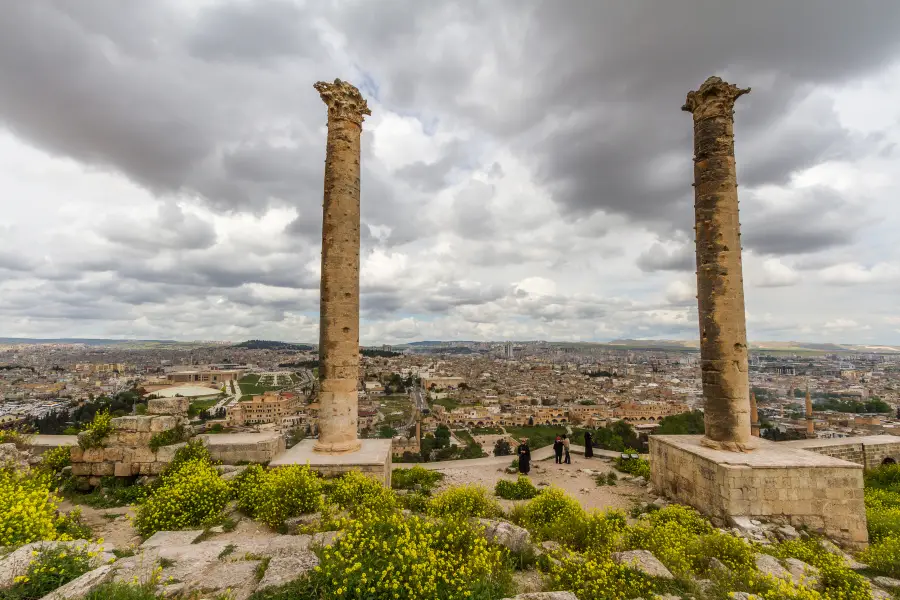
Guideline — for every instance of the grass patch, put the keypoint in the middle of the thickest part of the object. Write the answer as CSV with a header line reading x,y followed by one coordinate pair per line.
x,y
485,431
538,435
448,403
262,567
226,551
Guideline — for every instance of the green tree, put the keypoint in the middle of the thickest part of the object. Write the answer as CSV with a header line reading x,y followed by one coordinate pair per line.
x,y
689,423
502,447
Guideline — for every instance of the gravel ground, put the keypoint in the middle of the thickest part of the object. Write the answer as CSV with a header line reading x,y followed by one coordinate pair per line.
x,y
578,484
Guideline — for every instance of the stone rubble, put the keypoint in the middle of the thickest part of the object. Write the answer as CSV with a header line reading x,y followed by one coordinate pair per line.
x,y
643,561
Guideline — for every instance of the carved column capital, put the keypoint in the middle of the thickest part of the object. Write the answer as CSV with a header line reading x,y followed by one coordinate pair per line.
x,y
714,98
344,101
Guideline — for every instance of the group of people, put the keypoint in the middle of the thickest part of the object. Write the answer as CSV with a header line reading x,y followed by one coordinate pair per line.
x,y
560,449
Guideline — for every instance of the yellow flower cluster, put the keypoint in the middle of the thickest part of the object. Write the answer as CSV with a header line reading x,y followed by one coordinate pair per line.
x,y
49,570
97,430
27,507
551,507
55,459
464,501
599,578
397,558
279,494
192,496
355,491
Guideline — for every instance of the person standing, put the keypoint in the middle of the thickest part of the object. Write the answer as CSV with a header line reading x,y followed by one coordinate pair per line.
x,y
524,453
588,445
565,443
558,450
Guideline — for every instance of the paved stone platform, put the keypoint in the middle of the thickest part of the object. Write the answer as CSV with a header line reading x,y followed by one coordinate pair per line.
x,y
775,482
373,458
870,451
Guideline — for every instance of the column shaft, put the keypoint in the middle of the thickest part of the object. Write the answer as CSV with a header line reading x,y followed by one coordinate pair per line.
x,y
339,308
720,290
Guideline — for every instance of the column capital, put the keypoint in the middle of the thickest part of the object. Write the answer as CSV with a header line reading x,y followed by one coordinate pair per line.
x,y
714,98
344,101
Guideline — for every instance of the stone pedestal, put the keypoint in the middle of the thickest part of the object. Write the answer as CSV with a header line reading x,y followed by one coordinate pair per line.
x,y
373,458
775,483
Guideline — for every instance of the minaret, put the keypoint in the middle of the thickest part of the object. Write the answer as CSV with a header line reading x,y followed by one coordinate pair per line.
x,y
720,281
754,416
339,308
810,426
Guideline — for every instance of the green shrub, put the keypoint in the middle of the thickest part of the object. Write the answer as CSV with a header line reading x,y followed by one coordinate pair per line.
x,y
416,501
279,494
96,431
415,478
357,492
835,579
599,578
608,478
634,466
884,477
11,436
176,435
394,557
549,508
192,451
49,570
464,501
247,489
27,507
114,492
884,555
71,526
521,489
123,591
56,459
192,496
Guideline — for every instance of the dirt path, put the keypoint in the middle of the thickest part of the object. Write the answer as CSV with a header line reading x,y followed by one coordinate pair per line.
x,y
578,484
111,524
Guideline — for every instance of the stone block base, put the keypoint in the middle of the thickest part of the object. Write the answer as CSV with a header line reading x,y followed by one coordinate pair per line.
x,y
373,458
774,483
232,448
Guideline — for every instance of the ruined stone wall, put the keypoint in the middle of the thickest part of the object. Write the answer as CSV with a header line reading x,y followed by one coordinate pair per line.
x,y
876,453
851,451
125,452
822,497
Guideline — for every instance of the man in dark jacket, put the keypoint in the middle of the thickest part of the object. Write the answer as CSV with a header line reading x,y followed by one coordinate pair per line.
x,y
558,449
524,453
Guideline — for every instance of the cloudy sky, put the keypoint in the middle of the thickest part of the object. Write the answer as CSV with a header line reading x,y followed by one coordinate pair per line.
x,y
526,168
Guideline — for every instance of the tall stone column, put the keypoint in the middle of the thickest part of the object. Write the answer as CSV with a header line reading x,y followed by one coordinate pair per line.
x,y
720,285
339,309
754,416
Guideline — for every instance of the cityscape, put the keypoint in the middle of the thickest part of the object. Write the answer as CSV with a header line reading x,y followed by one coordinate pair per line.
x,y
449,300
481,391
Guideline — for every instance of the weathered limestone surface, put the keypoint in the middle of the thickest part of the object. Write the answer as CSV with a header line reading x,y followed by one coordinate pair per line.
x,y
720,287
754,416
339,308
643,561
776,483
869,451
373,459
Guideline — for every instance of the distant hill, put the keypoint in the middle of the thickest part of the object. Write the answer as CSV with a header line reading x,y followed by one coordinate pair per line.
x,y
799,347
86,341
272,345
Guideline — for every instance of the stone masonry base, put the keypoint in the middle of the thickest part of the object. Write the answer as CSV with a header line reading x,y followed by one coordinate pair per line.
x,y
776,483
373,458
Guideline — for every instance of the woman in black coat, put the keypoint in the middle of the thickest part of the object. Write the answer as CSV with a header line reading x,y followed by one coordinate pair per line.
x,y
524,453
588,445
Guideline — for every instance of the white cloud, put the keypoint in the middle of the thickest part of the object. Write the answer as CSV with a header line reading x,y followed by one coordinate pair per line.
x,y
777,274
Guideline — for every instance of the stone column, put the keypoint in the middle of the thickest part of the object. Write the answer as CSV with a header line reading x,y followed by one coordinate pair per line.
x,y
754,416
720,286
339,309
